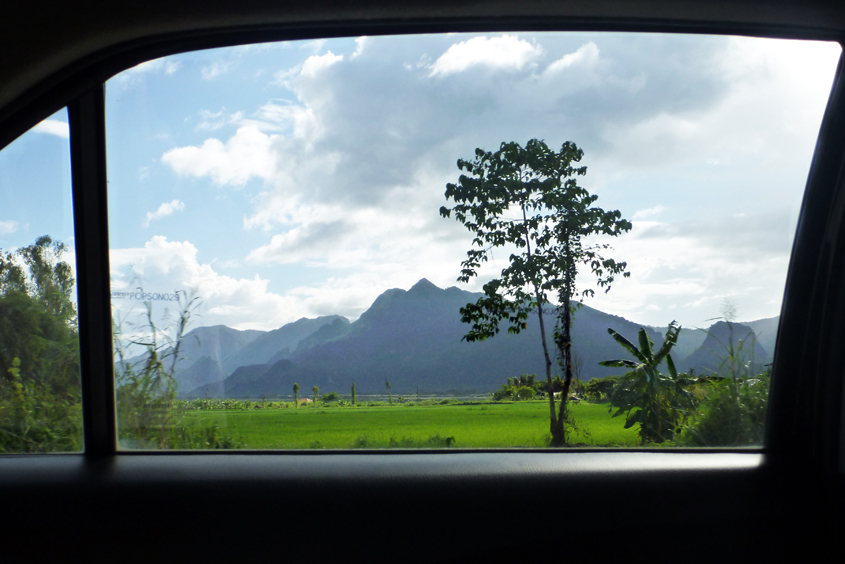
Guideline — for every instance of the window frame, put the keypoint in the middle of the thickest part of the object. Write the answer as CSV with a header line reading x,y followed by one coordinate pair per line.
x,y
87,122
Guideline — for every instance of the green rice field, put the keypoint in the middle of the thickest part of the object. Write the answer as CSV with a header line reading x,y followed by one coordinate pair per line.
x,y
475,425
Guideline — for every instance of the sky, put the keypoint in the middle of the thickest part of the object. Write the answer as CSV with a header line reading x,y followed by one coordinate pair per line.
x,y
298,179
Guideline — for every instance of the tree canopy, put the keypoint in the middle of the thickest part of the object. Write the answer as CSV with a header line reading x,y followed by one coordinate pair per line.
x,y
40,399
528,200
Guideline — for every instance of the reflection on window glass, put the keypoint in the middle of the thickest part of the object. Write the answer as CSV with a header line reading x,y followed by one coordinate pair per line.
x,y
297,261
40,399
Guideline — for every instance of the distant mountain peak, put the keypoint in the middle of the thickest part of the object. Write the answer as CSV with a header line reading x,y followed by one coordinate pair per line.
x,y
424,286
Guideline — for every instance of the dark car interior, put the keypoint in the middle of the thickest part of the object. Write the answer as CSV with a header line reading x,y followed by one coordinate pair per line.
x,y
655,505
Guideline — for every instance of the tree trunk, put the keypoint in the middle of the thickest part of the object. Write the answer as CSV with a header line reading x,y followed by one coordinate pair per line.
x,y
553,424
565,346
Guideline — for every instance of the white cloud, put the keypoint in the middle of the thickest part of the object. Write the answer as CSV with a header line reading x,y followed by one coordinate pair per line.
x,y
648,212
53,127
316,64
360,45
698,265
164,210
587,55
248,153
163,267
8,226
354,170
314,45
212,121
285,77
503,52
215,69
270,117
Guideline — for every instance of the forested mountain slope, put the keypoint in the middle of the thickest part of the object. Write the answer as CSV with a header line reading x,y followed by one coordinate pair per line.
x,y
413,339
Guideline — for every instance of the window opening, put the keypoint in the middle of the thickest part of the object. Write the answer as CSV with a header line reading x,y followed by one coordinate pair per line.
x,y
283,275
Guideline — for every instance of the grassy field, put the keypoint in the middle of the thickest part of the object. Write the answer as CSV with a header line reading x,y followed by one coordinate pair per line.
x,y
480,425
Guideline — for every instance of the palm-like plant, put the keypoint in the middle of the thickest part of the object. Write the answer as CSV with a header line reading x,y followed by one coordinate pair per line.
x,y
316,390
296,395
661,401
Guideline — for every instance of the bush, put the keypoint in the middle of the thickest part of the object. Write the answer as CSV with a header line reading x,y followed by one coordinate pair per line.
x,y
733,414
522,387
600,389
34,419
330,397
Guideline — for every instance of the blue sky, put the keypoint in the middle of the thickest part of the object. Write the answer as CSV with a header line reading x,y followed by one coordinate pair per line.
x,y
296,179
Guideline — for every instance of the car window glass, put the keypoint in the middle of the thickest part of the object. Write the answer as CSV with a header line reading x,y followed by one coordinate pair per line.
x,y
366,242
40,399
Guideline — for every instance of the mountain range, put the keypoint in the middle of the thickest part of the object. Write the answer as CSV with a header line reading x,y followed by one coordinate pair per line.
x,y
413,338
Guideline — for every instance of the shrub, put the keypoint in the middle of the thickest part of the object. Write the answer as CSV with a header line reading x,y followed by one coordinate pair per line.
x,y
330,397
600,389
733,414
523,387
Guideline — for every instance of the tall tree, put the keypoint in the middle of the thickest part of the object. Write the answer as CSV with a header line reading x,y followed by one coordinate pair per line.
x,y
296,395
40,403
389,393
528,199
37,314
354,395
316,390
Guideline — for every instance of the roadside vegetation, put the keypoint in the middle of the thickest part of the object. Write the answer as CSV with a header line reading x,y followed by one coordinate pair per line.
x,y
40,397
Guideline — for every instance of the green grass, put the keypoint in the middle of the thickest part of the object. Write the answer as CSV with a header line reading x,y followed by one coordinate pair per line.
x,y
482,425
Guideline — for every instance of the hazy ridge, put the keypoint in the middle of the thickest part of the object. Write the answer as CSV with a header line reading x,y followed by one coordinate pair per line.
x,y
413,339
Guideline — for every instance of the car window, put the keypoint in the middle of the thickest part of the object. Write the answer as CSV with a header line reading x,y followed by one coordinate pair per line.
x,y
371,242
40,395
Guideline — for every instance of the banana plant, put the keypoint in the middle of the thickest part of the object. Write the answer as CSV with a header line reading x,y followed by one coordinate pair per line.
x,y
656,401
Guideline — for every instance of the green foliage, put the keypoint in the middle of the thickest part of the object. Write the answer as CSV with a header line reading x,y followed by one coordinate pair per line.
x,y
659,403
735,400
45,278
389,394
601,389
40,398
523,387
33,418
296,395
554,215
354,395
733,414
316,390
330,397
